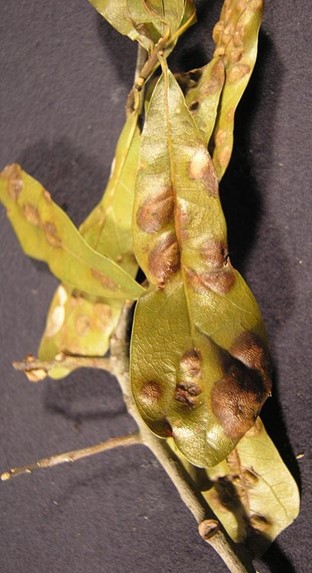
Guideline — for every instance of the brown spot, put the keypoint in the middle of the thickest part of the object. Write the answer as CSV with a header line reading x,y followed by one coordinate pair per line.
x,y
47,196
190,364
235,55
105,281
237,399
31,214
51,234
227,494
150,393
201,167
187,392
82,325
219,281
251,351
103,312
220,137
194,106
259,522
237,72
164,259
156,212
182,222
224,155
215,253
230,114
15,182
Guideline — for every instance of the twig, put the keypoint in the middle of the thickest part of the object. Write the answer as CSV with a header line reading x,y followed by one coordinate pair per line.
x,y
73,456
37,370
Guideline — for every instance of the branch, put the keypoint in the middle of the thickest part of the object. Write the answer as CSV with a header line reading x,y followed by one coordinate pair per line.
x,y
209,527
36,370
73,455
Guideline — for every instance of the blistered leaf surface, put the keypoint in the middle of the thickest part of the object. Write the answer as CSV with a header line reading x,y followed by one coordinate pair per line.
x,y
253,493
199,320
82,325
46,233
236,40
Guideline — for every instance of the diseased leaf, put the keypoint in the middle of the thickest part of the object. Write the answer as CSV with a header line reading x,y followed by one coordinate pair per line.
x,y
204,381
202,88
149,20
46,233
252,492
79,324
236,39
156,18
116,13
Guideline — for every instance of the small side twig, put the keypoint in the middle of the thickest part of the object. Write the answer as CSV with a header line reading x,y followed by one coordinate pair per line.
x,y
74,455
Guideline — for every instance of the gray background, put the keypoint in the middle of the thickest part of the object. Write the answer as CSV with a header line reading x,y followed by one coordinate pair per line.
x,y
65,75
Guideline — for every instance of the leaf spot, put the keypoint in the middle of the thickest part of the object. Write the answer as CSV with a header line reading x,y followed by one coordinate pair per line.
x,y
32,214
156,212
164,259
51,234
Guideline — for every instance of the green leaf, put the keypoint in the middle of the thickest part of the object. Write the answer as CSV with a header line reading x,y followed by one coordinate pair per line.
x,y
116,13
156,18
236,40
252,492
202,88
78,324
46,233
214,328
146,21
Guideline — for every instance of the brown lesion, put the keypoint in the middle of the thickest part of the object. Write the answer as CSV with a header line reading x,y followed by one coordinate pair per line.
x,y
191,364
201,168
187,392
32,214
150,393
13,174
215,253
51,234
188,387
156,211
105,281
164,259
250,349
219,281
237,399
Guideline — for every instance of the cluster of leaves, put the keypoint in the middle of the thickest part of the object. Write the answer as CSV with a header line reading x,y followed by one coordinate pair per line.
x,y
199,364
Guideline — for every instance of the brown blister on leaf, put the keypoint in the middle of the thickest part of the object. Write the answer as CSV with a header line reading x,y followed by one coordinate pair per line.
x,y
31,214
219,281
51,233
15,183
190,364
200,168
150,393
251,351
156,212
187,392
164,259
105,281
189,376
237,399
214,253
